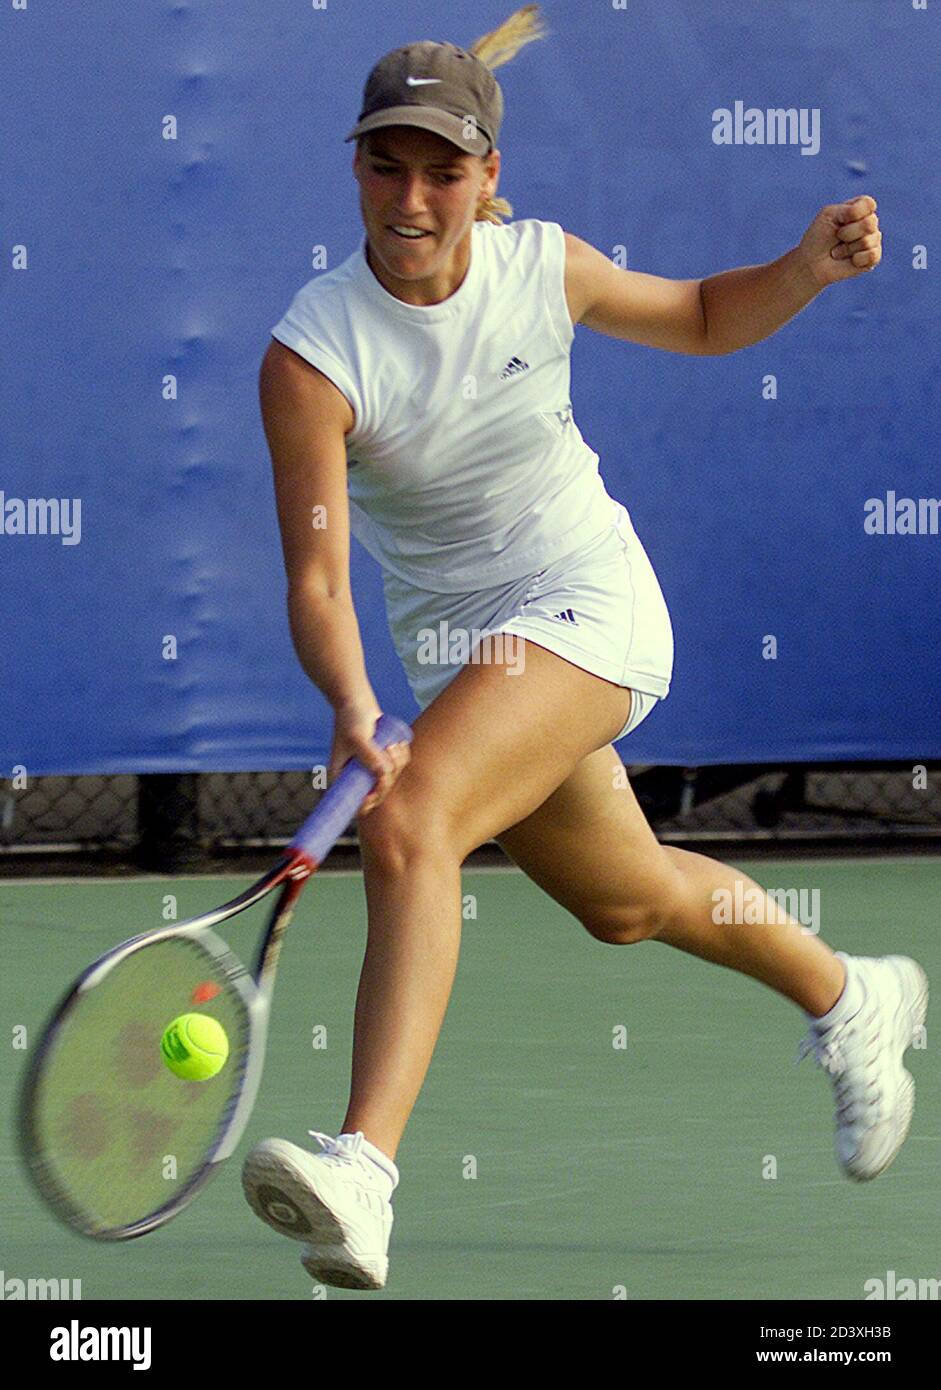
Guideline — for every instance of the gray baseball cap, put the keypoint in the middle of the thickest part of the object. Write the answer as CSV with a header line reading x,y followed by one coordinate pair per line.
x,y
437,87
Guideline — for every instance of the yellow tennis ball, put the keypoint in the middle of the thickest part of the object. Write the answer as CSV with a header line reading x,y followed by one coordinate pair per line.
x,y
195,1047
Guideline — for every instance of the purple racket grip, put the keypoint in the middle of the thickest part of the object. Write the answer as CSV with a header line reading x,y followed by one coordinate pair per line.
x,y
339,803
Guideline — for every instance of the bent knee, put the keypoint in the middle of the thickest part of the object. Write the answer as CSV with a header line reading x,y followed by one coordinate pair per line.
x,y
397,833
624,924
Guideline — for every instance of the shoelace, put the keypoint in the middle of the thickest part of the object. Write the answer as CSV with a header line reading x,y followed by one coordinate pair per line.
x,y
333,1150
366,1182
830,1050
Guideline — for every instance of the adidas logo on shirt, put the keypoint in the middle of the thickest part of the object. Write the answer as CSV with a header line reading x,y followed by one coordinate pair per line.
x,y
566,616
513,368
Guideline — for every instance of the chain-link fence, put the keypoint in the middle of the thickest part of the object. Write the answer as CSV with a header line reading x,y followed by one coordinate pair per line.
x,y
171,821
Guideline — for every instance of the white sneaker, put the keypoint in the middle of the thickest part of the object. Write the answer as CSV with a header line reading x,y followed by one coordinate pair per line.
x,y
337,1201
861,1047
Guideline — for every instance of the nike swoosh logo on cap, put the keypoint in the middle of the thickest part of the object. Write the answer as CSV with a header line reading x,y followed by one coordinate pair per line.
x,y
421,81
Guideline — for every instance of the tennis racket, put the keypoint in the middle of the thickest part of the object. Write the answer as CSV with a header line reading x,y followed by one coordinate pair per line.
x,y
117,1144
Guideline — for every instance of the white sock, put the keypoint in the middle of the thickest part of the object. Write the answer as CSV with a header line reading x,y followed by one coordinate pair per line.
x,y
849,1001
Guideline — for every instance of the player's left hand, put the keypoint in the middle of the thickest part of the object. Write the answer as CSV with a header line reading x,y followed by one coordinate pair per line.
x,y
843,240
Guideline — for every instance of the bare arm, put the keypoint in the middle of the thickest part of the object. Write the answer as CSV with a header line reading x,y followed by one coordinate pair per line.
x,y
306,418
746,305
627,304
710,317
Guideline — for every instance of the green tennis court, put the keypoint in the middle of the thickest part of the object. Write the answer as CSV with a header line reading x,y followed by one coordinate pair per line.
x,y
598,1122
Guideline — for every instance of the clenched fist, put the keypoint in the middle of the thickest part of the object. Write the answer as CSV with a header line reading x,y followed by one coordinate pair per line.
x,y
843,240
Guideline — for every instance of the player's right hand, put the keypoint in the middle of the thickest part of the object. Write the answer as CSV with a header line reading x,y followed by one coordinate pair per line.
x,y
353,731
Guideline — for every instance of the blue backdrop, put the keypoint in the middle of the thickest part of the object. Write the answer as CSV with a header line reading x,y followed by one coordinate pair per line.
x,y
141,273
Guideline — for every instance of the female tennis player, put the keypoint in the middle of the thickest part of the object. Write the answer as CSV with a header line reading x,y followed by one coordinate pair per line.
x,y
418,395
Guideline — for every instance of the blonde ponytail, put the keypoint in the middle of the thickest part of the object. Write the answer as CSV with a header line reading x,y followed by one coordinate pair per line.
x,y
493,210
500,45
493,50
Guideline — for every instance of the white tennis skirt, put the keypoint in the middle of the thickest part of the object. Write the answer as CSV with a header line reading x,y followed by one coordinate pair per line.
x,y
601,608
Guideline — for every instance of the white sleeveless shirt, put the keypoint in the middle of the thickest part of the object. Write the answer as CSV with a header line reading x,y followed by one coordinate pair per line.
x,y
465,466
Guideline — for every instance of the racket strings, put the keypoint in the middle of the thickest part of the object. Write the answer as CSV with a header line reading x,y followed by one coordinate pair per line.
x,y
115,1135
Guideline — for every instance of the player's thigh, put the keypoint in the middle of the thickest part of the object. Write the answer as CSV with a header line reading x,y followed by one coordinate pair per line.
x,y
589,846
491,748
